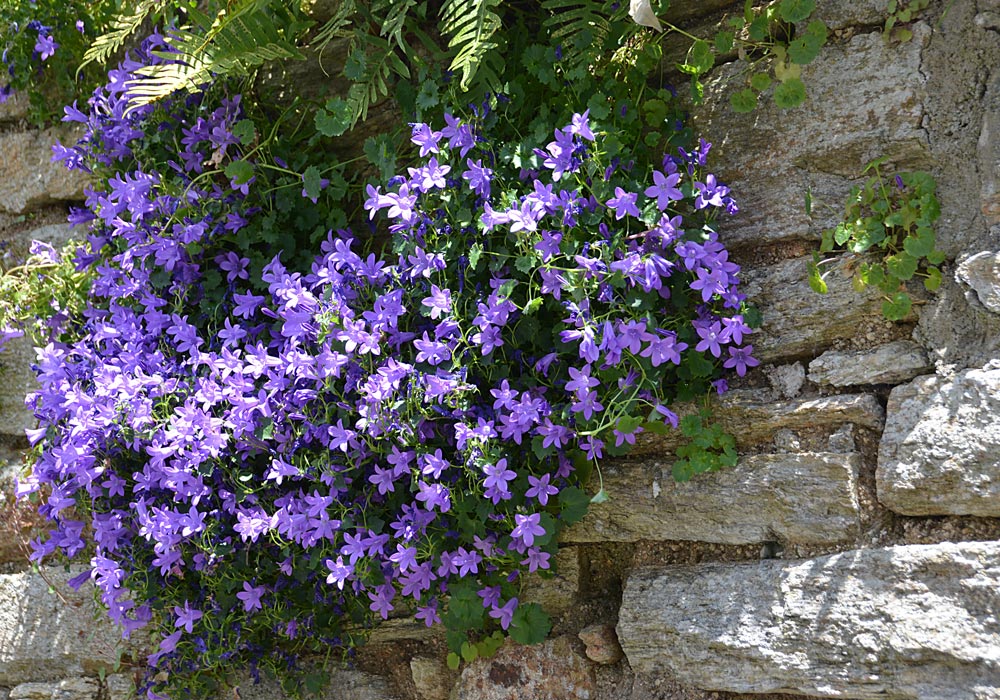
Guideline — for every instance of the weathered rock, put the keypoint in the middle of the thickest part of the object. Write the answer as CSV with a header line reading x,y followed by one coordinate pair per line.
x,y
786,380
602,644
30,178
981,272
55,234
431,678
46,636
68,689
801,498
16,380
552,670
772,157
557,593
891,363
753,420
906,622
940,451
342,683
14,109
798,321
120,687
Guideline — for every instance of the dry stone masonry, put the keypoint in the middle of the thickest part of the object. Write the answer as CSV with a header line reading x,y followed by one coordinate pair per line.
x,y
853,552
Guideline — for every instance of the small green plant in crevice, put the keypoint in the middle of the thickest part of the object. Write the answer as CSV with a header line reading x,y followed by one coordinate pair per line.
x,y
893,216
901,12
710,448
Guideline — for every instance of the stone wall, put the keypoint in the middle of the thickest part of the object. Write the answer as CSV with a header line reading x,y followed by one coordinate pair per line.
x,y
854,551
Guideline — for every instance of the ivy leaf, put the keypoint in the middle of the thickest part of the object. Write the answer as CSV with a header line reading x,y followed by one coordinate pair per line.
x,y
239,171
760,81
933,281
530,624
743,101
793,11
790,93
335,118
897,308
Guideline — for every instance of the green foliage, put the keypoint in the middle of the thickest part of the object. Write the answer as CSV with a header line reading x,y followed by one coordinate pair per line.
x,y
895,218
471,26
710,448
899,12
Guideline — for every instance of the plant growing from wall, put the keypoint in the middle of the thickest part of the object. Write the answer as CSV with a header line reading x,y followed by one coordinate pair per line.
x,y
889,221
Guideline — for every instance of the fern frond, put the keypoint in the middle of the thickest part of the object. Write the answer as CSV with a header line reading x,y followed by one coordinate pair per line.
x,y
581,26
395,13
235,42
123,27
338,25
471,25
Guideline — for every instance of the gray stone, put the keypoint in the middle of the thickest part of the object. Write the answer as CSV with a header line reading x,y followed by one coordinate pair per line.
x,y
48,636
891,363
552,670
771,157
798,322
981,272
431,678
910,622
343,683
120,687
940,451
800,498
16,381
30,178
33,691
55,234
15,108
753,419
556,593
77,689
842,439
958,332
787,380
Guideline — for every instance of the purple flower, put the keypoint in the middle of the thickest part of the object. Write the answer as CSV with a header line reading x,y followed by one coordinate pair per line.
x,y
740,359
45,46
251,596
527,528
381,600
623,204
541,488
186,617
711,337
423,136
505,613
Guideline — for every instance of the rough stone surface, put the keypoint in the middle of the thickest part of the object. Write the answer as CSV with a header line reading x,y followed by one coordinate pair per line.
x,y
343,684
119,687
46,637
981,272
892,363
67,689
431,678
747,415
552,670
909,622
787,380
14,109
958,332
772,157
801,498
798,322
30,178
16,380
602,643
558,593
940,451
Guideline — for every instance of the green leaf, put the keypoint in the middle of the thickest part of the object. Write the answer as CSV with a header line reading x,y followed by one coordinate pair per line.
x,y
600,497
469,652
898,307
793,11
936,257
804,49
525,263
312,182
816,281
933,281
655,112
758,30
573,503
335,118
920,245
724,41
743,101
682,470
454,661
842,234
530,624
760,81
790,93
901,265
428,95
354,66
700,58
239,171
475,253
244,130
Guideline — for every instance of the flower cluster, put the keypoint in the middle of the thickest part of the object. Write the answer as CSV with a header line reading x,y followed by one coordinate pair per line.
x,y
264,461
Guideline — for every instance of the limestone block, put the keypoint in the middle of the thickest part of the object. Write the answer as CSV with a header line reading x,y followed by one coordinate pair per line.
x,y
940,451
771,157
120,687
891,363
797,320
910,622
556,594
552,670
753,418
343,683
16,380
30,178
981,273
46,637
800,498
67,689
431,678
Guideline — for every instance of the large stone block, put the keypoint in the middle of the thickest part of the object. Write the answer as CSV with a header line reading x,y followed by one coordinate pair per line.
x,y
30,179
801,498
940,451
798,322
771,157
16,380
891,363
552,670
911,622
48,636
